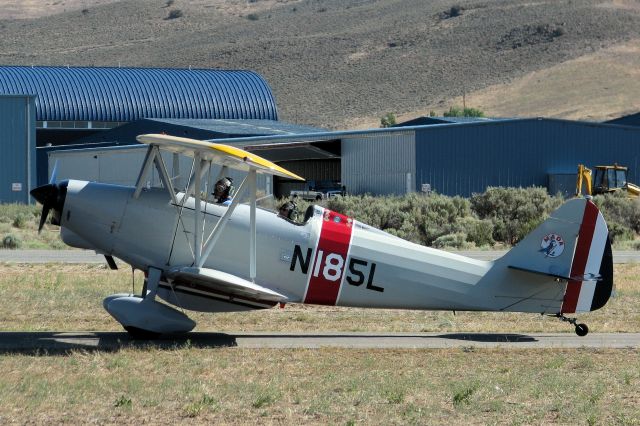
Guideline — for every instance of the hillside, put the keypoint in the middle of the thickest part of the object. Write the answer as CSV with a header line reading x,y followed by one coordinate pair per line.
x,y
344,63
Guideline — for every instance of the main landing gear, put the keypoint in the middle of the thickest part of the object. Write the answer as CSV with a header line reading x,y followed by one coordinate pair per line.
x,y
581,329
145,318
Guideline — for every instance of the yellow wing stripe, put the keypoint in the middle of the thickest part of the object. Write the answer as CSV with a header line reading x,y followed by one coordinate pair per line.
x,y
245,155
243,158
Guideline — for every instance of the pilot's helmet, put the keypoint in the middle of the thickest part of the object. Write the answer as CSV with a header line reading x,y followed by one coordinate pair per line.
x,y
222,188
288,210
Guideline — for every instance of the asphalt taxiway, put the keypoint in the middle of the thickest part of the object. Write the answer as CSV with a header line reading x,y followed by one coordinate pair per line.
x,y
60,342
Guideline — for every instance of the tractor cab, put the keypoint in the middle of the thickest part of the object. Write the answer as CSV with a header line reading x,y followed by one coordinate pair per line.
x,y
609,179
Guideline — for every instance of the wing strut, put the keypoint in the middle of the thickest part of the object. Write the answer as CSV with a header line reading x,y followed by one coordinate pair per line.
x,y
197,232
153,157
206,152
217,230
249,181
252,218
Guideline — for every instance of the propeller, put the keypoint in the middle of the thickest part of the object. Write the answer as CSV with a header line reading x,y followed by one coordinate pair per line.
x,y
51,196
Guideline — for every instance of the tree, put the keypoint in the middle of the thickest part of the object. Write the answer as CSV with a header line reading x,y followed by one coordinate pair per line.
x,y
455,111
388,120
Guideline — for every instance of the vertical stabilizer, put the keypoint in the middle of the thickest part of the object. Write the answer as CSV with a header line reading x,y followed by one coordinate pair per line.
x,y
572,246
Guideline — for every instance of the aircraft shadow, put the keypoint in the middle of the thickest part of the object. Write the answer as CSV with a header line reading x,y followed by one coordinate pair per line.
x,y
489,337
63,343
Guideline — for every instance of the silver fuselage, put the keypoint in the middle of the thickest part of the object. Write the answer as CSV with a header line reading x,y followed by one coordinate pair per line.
x,y
375,269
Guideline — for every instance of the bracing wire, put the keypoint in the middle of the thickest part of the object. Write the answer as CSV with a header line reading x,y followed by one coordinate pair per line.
x,y
181,208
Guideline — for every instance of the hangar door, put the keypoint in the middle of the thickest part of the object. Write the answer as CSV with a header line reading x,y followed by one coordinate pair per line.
x,y
311,170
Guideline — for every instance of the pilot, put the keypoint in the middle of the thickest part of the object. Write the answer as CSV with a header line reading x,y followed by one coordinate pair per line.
x,y
288,210
222,191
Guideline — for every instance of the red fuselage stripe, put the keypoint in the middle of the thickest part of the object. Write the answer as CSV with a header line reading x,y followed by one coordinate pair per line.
x,y
330,259
580,258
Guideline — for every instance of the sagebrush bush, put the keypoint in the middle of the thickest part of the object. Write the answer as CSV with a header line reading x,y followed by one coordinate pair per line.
x,y
174,14
618,232
457,241
514,212
619,208
20,221
11,241
499,215
479,231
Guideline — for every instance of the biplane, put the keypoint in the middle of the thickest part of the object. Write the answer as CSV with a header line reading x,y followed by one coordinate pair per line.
x,y
203,256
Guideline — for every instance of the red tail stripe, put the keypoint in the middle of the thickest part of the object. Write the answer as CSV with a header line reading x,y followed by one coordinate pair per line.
x,y
580,258
335,237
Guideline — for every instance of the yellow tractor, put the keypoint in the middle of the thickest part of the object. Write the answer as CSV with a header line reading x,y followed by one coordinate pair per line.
x,y
607,179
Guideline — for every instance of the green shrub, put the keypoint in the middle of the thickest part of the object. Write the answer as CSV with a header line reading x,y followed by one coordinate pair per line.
x,y
11,241
455,111
472,112
514,212
619,232
388,120
479,231
618,207
457,241
499,215
174,14
455,11
20,221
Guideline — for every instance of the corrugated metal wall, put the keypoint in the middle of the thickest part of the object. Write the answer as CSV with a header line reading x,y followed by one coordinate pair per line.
x,y
17,148
382,163
463,159
121,166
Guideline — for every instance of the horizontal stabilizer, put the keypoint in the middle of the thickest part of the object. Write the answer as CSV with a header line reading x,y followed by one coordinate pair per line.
x,y
224,283
585,277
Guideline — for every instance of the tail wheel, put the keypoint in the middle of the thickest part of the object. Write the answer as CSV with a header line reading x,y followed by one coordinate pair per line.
x,y
582,330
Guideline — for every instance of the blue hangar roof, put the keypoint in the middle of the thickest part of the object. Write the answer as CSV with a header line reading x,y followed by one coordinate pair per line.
x,y
127,94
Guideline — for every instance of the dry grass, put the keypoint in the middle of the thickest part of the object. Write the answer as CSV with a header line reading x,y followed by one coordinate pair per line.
x,y
597,86
340,64
69,298
324,386
185,383
21,221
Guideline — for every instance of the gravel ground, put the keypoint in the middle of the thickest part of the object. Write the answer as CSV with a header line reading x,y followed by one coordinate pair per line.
x,y
332,62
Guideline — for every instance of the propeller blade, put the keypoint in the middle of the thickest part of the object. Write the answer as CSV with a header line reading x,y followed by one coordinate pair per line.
x,y
54,173
51,196
43,217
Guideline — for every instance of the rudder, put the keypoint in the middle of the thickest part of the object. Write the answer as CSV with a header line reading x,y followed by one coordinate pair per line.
x,y
572,245
592,267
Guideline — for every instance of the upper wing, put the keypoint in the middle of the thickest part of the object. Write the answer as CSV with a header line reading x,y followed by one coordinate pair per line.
x,y
226,155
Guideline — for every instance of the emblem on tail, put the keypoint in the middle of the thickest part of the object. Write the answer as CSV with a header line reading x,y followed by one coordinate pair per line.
x,y
552,245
